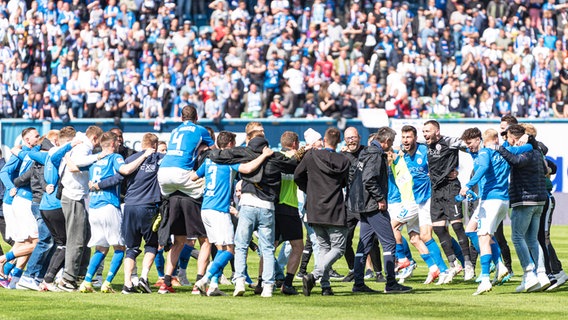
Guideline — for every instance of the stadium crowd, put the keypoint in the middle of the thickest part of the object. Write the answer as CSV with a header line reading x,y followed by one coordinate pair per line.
x,y
299,58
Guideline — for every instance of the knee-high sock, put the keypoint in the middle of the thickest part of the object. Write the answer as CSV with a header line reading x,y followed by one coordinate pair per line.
x,y
485,264
458,251
436,255
428,259
159,261
445,242
221,259
495,252
184,256
463,241
115,264
8,267
407,252
400,252
97,258
474,239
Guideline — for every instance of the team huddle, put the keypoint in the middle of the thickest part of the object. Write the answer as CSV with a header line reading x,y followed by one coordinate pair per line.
x,y
70,196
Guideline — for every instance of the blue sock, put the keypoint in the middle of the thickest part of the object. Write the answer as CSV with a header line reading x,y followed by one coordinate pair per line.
x,y
485,264
10,256
407,252
115,264
495,252
215,278
458,251
428,259
400,252
221,259
184,256
17,273
247,277
8,267
159,262
436,255
97,258
474,239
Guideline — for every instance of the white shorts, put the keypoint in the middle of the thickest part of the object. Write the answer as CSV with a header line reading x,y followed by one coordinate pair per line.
x,y
219,227
25,226
424,214
173,179
407,213
489,214
9,219
105,224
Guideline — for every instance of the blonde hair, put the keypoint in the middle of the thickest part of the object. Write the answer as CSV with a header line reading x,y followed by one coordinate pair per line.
x,y
529,129
490,135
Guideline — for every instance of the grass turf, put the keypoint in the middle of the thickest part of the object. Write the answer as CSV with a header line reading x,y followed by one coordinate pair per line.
x,y
426,302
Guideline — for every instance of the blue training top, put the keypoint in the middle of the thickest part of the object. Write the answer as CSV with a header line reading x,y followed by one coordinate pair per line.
x,y
101,169
182,148
51,176
218,185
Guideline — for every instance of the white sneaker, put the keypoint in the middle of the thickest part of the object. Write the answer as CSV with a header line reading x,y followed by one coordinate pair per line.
x,y
97,281
529,281
432,275
267,290
445,277
215,292
239,287
484,286
500,273
201,286
27,283
224,281
469,273
561,279
543,283
135,280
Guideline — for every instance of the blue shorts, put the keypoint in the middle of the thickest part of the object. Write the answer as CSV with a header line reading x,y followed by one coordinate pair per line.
x,y
137,225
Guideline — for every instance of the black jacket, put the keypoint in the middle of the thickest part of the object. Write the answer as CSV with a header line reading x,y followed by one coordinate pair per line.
x,y
528,182
264,182
322,174
370,183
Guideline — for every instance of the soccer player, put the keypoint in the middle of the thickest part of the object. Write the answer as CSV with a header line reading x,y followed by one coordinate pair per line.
x,y
443,160
174,176
416,159
527,194
105,217
24,228
216,206
492,175
322,174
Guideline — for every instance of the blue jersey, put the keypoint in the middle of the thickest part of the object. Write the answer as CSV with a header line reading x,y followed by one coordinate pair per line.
x,y
218,185
418,166
26,190
8,173
51,176
394,193
105,168
182,148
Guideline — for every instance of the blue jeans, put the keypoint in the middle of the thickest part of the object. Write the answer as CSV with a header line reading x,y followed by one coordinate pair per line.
x,y
250,219
525,221
40,257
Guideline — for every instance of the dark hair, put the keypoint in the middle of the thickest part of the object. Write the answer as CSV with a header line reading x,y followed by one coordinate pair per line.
x,y
27,130
409,128
516,130
434,123
332,136
189,113
384,134
224,138
471,133
509,119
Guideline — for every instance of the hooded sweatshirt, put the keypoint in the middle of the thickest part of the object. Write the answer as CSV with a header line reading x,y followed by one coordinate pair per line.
x,y
322,174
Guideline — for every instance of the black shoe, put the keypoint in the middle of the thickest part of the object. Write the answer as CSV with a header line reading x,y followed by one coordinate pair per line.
x,y
333,274
397,288
327,291
129,290
68,286
308,283
258,288
278,283
363,289
349,277
143,286
288,290
380,277
300,275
